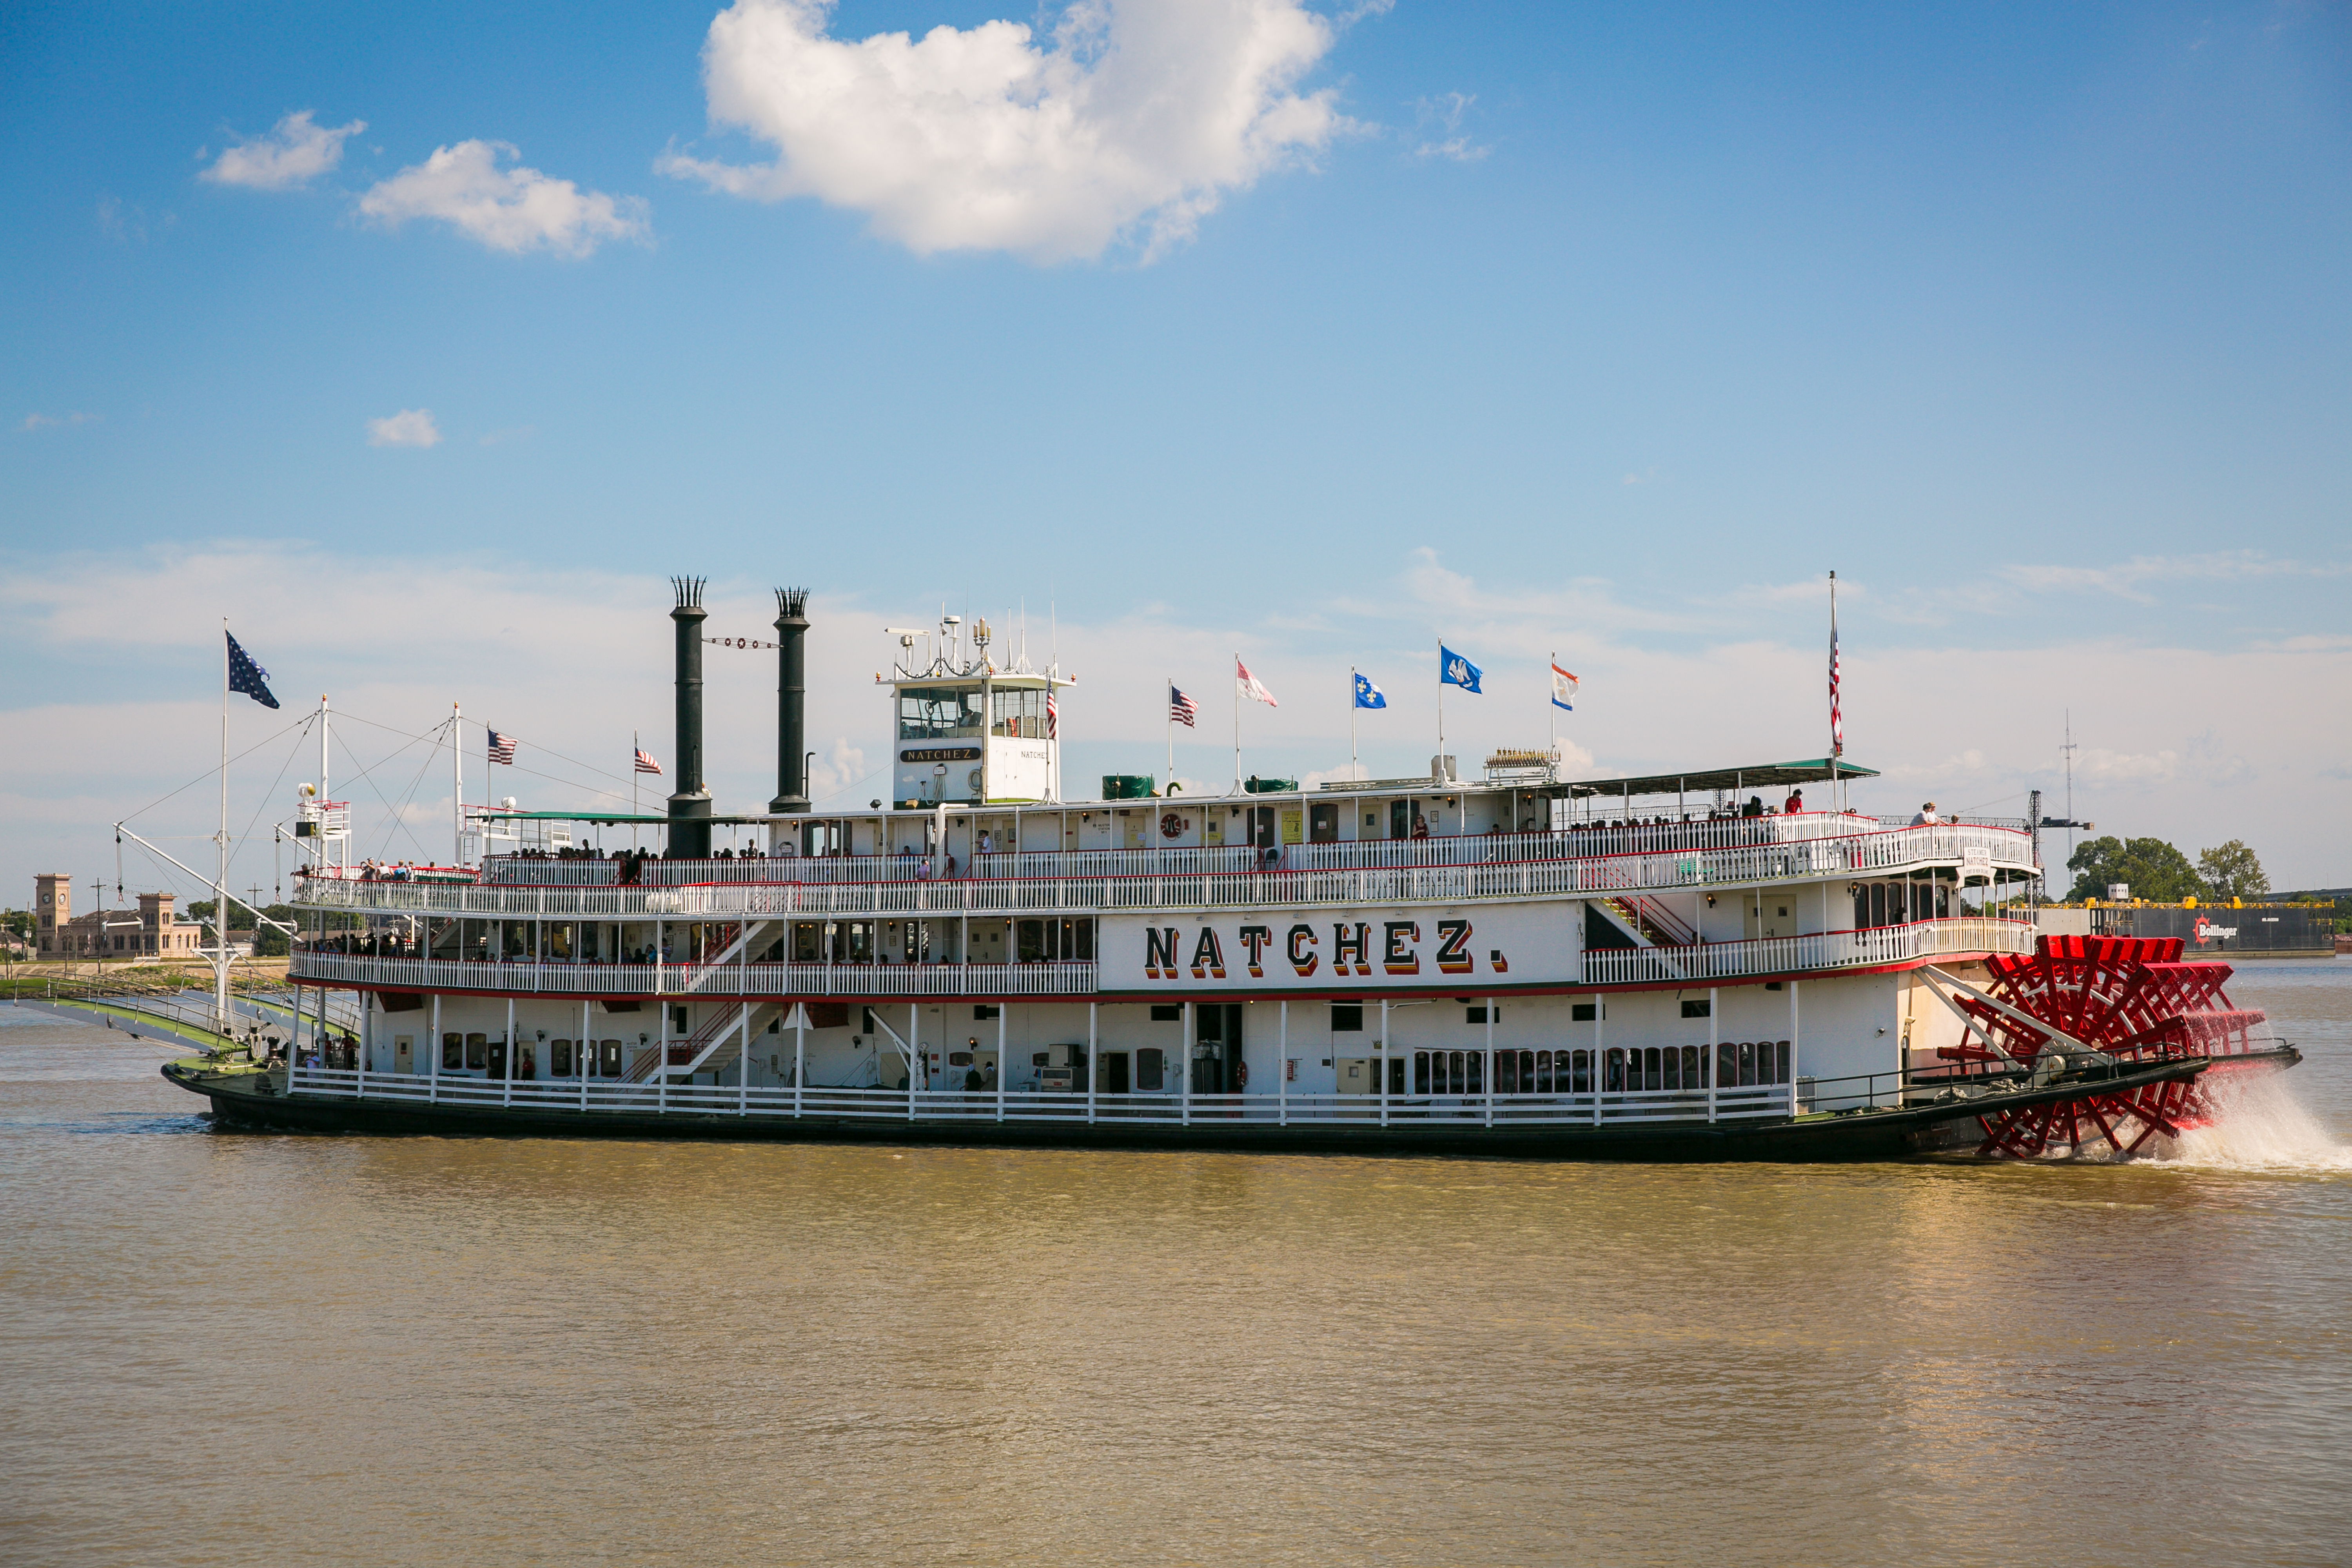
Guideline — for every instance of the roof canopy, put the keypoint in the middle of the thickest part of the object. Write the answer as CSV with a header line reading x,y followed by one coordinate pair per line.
x,y
1757,776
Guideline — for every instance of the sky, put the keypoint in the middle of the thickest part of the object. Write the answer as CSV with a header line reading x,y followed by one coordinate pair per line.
x,y
423,344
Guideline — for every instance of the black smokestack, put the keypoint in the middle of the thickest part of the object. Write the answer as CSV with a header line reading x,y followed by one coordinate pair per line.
x,y
689,808
791,700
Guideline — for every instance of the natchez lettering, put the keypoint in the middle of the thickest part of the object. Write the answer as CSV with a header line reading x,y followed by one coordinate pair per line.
x,y
1351,948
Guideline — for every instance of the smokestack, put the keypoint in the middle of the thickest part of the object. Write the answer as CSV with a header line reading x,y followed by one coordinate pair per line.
x,y
690,808
791,700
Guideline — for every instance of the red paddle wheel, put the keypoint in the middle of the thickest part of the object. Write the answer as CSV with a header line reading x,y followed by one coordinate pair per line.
x,y
2131,999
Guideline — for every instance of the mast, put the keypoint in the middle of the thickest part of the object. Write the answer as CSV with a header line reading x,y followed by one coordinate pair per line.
x,y
1837,738
220,875
456,786
319,855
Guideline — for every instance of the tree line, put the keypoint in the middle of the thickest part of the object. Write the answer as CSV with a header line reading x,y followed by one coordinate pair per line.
x,y
2160,873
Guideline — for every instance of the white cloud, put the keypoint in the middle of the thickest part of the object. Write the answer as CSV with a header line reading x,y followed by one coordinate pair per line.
x,y
2124,579
409,427
1134,117
1445,113
293,154
512,209
51,421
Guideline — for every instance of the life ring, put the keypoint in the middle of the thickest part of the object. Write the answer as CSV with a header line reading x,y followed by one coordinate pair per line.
x,y
1172,826
1241,1075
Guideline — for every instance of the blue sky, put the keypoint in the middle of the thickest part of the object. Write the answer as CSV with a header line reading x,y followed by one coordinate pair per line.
x,y
1600,331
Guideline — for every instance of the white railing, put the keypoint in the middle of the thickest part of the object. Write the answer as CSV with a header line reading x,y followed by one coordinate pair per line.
x,y
1864,948
1423,1111
863,981
1204,884
1696,964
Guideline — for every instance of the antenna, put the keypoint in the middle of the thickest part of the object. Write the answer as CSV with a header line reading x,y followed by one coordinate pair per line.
x,y
2068,752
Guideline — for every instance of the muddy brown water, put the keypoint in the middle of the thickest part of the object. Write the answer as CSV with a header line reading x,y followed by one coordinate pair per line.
x,y
235,1348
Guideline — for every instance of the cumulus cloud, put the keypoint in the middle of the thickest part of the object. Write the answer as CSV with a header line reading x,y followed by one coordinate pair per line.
x,y
293,154
409,427
1134,117
512,209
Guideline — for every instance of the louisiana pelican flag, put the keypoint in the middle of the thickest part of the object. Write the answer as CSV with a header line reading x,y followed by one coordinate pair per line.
x,y
1368,695
1563,688
1453,669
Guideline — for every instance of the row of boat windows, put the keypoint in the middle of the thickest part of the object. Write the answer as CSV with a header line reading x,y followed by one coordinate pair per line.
x,y
1896,903
487,1053
940,713
1066,939
1738,1064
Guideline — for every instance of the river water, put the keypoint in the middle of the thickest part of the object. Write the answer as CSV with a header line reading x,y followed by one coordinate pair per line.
x,y
221,1348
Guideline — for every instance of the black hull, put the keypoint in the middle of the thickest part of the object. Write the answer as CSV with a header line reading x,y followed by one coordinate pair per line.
x,y
1880,1135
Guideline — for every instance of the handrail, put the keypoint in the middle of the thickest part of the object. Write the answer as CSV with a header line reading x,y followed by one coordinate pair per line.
x,y
1697,964
1191,879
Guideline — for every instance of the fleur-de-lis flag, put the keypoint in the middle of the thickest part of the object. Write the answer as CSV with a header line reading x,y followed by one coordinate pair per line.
x,y
245,675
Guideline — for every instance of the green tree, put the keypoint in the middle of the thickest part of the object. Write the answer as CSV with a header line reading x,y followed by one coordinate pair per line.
x,y
2153,869
2233,870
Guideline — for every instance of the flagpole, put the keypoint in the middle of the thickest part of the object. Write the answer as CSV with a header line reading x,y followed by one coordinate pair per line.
x,y
220,878
1238,723
456,786
633,790
1167,723
1351,721
1438,770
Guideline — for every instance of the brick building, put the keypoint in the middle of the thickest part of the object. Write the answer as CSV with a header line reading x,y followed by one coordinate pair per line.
x,y
153,930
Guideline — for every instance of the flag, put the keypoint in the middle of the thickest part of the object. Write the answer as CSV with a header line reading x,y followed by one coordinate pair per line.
x,y
1368,695
1563,688
1453,669
1182,709
502,747
646,763
1053,716
245,675
1251,686
1837,720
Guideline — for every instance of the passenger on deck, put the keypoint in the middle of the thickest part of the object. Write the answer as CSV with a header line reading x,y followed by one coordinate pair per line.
x,y
1927,817
1795,803
1755,806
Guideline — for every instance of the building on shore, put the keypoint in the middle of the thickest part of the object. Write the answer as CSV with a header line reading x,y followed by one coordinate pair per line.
x,y
153,930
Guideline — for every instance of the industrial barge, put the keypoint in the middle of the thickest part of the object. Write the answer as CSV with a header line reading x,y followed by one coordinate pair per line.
x,y
1512,964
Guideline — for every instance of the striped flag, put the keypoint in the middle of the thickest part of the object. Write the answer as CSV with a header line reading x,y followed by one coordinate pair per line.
x,y
1182,709
1053,716
502,747
1251,686
1837,718
646,763
1563,688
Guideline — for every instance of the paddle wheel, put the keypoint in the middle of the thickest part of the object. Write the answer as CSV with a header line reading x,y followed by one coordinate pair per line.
x,y
2106,1004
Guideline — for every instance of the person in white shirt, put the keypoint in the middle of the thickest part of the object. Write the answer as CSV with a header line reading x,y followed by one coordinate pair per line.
x,y
1927,817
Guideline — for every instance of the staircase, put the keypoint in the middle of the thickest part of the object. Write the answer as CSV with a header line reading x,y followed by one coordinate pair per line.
x,y
714,1048
1657,925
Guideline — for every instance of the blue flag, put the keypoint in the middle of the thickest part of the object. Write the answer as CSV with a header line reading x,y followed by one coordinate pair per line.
x,y
245,675
1368,695
1453,669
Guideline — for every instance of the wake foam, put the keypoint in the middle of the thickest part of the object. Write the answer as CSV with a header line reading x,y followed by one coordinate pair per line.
x,y
2258,1124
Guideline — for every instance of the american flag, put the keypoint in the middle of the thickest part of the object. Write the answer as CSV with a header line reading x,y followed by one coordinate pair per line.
x,y
502,747
1182,709
1837,720
646,763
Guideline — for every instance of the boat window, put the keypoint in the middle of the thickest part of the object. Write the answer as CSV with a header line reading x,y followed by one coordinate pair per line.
x,y
1167,1012
983,1012
1018,711
1347,1017
939,712
1613,1071
1581,1081
1584,1012
1323,822
559,1058
1147,1068
959,1059
453,1052
611,1051
477,1051
1029,945
1478,1015
1696,1009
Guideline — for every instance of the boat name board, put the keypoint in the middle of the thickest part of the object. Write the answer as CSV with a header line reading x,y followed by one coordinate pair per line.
x,y
1392,946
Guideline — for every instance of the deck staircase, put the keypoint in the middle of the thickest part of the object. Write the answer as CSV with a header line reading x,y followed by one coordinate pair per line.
x,y
1655,924
714,1048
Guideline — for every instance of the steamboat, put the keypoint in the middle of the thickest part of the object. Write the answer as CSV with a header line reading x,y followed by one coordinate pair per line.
x,y
1515,962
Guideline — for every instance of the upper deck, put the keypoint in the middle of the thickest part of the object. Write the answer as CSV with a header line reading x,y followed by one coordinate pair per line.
x,y
1573,862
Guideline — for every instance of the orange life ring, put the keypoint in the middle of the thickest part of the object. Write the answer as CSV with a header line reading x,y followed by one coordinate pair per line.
x,y
1172,826
1241,1075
